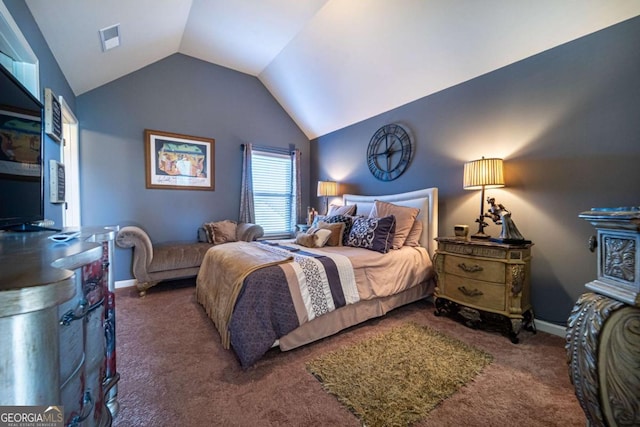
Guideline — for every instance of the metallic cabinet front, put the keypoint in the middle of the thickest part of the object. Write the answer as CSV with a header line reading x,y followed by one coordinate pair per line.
x,y
54,331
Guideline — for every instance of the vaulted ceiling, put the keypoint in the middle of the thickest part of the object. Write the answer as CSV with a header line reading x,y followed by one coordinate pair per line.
x,y
329,63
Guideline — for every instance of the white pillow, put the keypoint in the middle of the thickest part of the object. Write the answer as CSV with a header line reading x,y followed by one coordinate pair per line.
x,y
323,237
314,237
341,210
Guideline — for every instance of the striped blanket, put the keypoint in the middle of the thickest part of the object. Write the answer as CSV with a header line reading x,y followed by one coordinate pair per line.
x,y
274,299
326,281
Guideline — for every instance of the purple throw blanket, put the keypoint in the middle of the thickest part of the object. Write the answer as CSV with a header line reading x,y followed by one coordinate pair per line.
x,y
265,310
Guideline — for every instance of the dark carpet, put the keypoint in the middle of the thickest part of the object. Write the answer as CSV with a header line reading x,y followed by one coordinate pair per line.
x,y
174,372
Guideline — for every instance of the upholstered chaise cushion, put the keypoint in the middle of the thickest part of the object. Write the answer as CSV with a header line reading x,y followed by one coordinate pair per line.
x,y
171,256
155,262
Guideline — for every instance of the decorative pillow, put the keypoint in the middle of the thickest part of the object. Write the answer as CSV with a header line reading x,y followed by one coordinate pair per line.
x,y
348,222
336,232
413,239
313,238
323,237
308,240
224,231
405,218
341,210
208,229
375,234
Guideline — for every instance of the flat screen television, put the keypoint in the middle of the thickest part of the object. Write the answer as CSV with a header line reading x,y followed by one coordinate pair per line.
x,y
21,155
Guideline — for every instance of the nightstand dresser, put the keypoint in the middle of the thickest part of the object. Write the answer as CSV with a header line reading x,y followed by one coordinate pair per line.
x,y
485,283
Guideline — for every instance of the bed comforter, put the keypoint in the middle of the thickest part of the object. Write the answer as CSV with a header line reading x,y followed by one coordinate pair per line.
x,y
290,285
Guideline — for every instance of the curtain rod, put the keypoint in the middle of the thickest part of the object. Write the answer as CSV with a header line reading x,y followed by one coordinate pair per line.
x,y
276,150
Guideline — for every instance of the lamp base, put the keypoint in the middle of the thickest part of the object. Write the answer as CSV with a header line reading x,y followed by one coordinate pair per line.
x,y
480,235
511,241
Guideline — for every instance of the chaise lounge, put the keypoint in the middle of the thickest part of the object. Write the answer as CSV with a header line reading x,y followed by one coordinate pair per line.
x,y
157,262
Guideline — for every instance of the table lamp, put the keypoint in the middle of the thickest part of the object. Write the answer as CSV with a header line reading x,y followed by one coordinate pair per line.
x,y
478,175
327,189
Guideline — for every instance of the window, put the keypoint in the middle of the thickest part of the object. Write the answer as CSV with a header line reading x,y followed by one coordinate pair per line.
x,y
16,54
274,194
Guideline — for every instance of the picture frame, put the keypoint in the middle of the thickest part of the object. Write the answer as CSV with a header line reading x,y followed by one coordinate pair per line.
x,y
178,162
52,115
20,144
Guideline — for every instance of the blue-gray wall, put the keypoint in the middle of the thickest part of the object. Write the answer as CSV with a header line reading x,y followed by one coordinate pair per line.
x,y
567,124
50,77
182,95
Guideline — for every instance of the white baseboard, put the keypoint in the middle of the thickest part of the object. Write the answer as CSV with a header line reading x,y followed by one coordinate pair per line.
x,y
125,283
551,328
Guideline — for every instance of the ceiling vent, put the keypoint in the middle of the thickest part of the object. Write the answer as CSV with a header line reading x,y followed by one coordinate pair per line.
x,y
110,37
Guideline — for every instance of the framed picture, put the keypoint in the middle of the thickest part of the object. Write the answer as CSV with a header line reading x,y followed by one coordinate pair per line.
x,y
20,145
52,115
178,162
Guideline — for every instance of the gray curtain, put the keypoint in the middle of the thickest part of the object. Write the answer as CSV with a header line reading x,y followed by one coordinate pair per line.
x,y
247,212
297,214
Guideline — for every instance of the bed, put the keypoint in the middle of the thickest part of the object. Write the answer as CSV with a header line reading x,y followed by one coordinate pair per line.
x,y
262,294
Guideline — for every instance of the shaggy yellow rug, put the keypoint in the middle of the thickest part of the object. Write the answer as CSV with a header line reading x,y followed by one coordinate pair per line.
x,y
396,378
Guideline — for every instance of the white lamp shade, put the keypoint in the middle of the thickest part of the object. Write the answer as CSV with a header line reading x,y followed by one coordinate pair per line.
x,y
483,172
327,188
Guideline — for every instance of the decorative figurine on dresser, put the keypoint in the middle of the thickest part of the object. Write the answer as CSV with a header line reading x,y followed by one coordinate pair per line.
x,y
603,330
483,280
57,324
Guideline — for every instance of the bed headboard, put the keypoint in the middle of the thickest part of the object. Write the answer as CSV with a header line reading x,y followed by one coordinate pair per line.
x,y
426,200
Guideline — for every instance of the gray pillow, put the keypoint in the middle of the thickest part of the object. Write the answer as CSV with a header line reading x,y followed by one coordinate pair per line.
x,y
341,210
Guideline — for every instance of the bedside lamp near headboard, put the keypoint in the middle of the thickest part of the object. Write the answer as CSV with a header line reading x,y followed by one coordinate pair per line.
x,y
327,189
478,175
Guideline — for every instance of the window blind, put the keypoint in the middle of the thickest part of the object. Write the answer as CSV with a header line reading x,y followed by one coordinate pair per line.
x,y
274,202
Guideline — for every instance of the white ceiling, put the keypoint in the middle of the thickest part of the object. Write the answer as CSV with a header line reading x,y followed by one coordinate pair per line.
x,y
330,63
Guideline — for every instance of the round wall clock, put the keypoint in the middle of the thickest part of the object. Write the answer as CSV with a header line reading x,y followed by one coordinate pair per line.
x,y
389,152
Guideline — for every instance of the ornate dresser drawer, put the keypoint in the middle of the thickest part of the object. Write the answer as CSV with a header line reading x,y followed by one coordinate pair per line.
x,y
483,295
477,269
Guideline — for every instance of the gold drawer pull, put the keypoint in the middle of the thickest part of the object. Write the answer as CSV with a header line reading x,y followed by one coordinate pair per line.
x,y
469,293
470,268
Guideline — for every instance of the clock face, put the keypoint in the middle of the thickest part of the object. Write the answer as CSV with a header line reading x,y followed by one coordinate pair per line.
x,y
389,152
